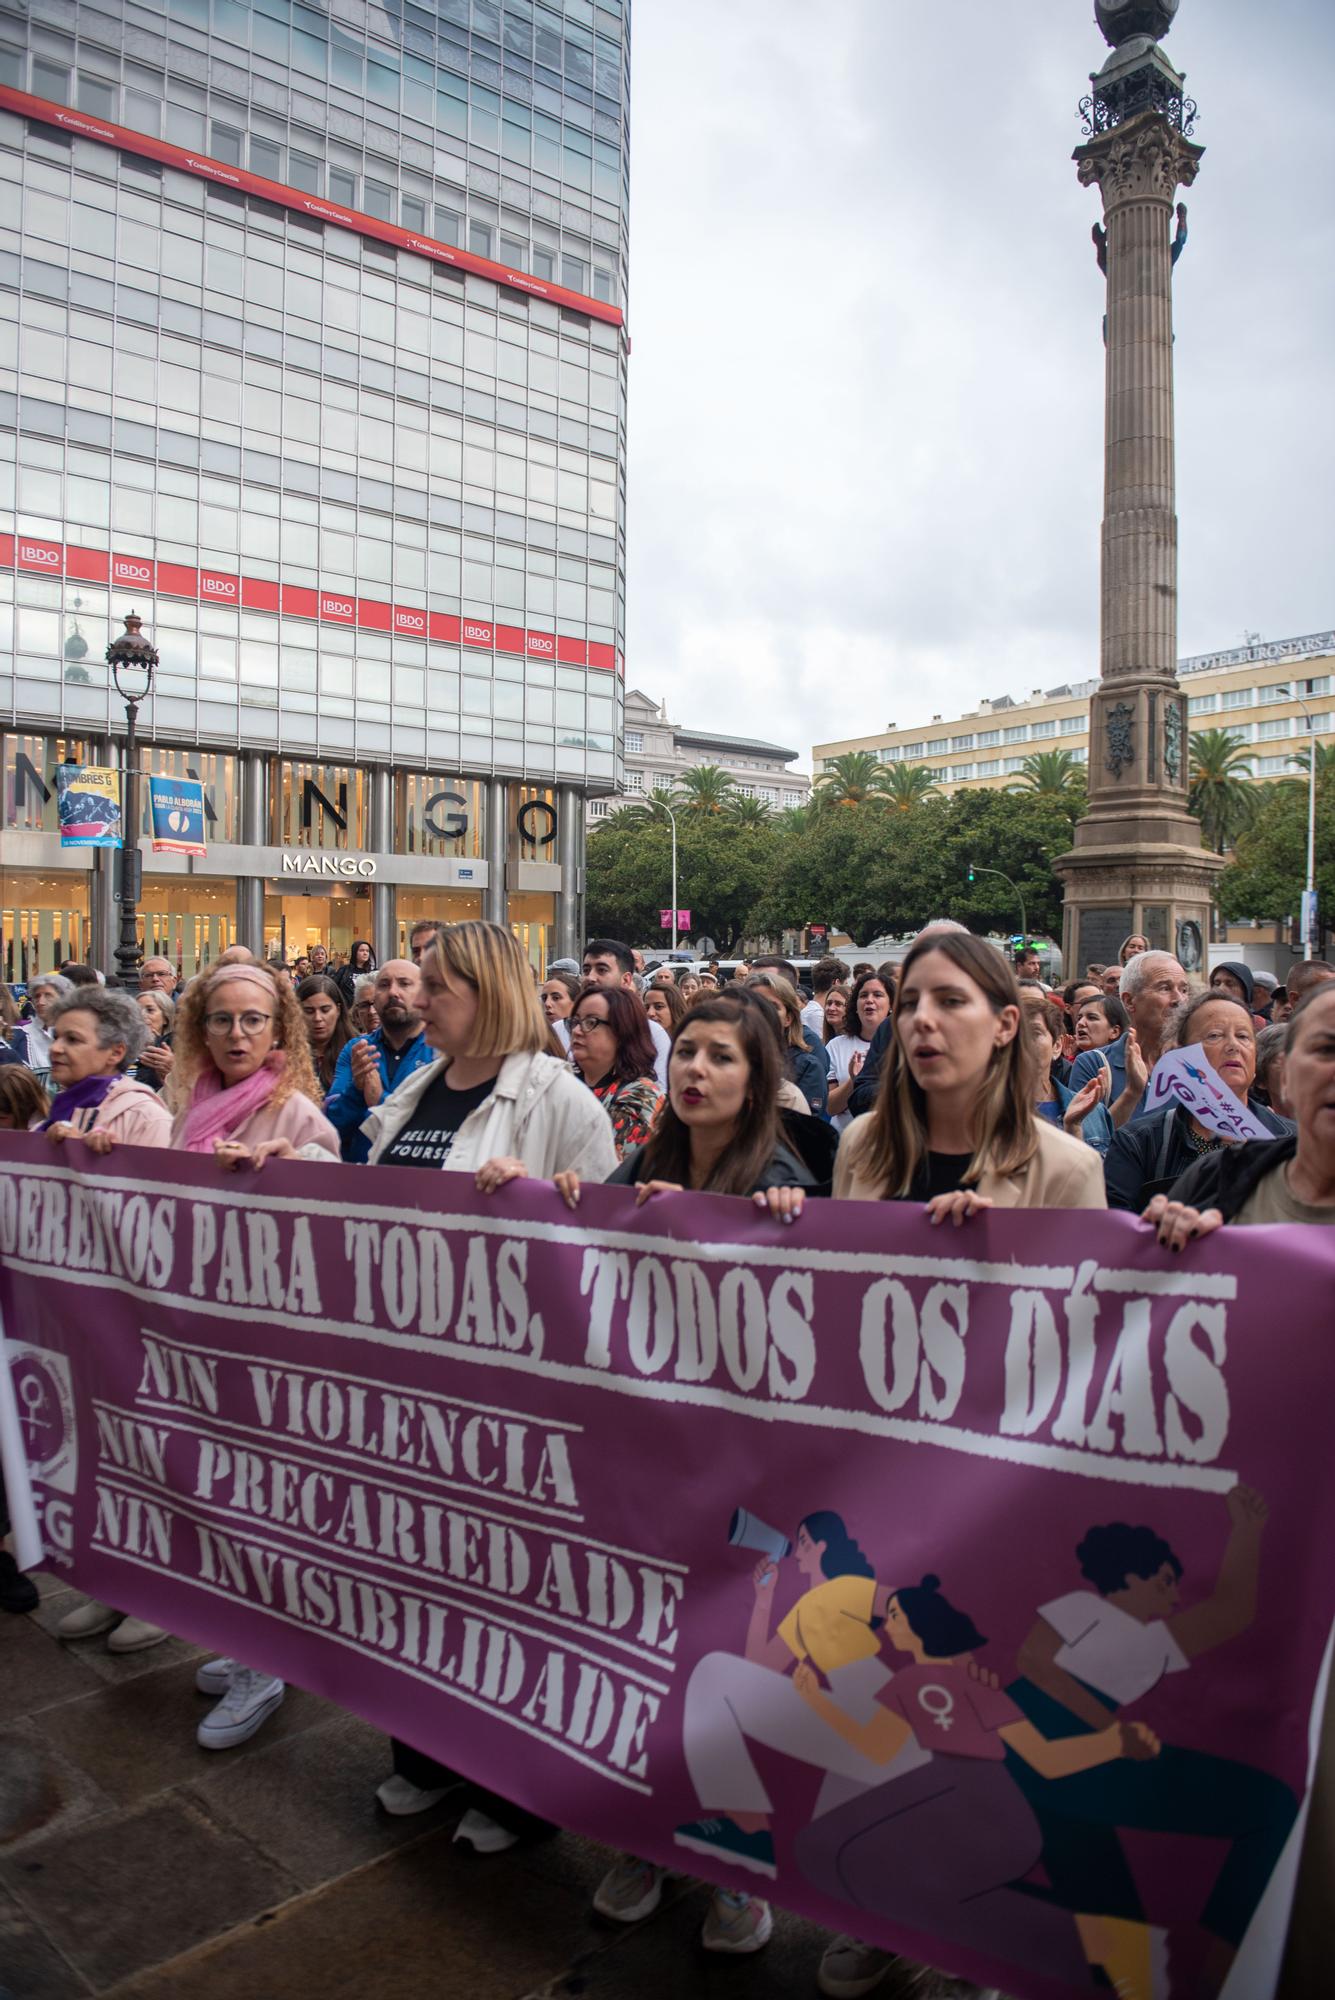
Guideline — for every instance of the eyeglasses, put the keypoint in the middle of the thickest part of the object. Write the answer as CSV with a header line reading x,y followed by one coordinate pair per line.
x,y
250,1024
583,1024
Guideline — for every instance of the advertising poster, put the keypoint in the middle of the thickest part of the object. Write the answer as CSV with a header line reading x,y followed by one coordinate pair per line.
x,y
90,805
177,805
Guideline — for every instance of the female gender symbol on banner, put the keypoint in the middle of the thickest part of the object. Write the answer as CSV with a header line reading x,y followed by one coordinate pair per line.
x,y
942,1713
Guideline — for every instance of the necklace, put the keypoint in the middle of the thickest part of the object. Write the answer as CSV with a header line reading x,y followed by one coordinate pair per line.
x,y
1208,1144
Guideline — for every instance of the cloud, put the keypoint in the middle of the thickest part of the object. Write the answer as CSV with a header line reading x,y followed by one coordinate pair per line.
x,y
866,391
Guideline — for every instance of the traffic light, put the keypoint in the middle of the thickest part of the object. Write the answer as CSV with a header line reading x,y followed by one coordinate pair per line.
x,y
971,871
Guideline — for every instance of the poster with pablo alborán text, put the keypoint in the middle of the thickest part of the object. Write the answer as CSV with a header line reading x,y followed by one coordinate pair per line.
x,y
968,1590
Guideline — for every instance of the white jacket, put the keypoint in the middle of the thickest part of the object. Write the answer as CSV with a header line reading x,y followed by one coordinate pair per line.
x,y
539,1112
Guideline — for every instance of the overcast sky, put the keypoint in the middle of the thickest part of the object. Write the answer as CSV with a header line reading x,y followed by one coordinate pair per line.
x,y
866,391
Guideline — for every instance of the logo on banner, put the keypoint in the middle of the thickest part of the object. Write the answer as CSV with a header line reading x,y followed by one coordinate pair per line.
x,y
89,805
44,1394
1184,1076
125,569
219,586
409,621
40,554
177,806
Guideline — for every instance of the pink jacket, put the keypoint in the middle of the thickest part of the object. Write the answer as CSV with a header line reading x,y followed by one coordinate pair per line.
x,y
133,1114
296,1118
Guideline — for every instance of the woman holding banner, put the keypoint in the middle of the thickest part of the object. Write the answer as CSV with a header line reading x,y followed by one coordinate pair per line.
x,y
954,1124
496,1105
1150,1153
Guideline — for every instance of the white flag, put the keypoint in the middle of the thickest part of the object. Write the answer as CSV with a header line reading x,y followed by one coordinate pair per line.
x,y
1184,1076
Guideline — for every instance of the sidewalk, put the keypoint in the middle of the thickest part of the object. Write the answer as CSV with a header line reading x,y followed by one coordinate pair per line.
x,y
132,1863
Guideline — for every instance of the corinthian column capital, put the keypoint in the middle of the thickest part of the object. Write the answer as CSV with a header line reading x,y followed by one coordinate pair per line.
x,y
1146,159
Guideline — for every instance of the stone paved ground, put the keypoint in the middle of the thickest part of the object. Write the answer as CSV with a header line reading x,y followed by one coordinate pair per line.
x,y
132,1863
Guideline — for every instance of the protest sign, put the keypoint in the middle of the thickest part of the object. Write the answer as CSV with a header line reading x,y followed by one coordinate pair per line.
x,y
89,805
1185,1077
635,1515
177,805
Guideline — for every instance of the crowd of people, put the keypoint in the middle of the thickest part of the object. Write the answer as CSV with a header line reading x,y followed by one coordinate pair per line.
x,y
956,1080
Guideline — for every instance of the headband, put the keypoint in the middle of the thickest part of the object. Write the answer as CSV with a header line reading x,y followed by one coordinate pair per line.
x,y
254,975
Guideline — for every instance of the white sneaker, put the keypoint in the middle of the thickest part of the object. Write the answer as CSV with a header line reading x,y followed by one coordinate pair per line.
x,y
402,1798
736,1922
250,1700
849,1968
89,1620
214,1676
631,1889
484,1835
135,1635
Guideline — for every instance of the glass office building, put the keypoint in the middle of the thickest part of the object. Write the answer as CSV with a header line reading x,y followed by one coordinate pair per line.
x,y
312,352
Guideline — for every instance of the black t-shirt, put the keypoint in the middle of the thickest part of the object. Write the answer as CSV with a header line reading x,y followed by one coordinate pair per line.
x,y
426,1139
941,1173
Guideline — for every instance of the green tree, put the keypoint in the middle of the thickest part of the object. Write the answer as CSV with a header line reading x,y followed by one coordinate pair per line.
x,y
721,869
744,811
907,785
704,790
1267,872
1325,761
1219,795
1051,773
854,779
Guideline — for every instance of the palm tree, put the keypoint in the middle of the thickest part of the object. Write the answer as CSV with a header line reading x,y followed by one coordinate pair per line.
x,y
907,785
1052,774
1220,796
1325,762
705,790
855,779
742,811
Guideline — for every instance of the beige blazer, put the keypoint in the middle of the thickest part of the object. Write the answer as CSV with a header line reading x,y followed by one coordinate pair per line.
x,y
1063,1173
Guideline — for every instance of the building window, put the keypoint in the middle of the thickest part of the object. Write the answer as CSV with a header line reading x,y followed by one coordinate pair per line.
x,y
1237,697
1043,729
1074,725
1277,726
1202,704
634,742
635,781
1271,767
1015,763
988,736
989,767
1080,755
1019,734
938,747
961,743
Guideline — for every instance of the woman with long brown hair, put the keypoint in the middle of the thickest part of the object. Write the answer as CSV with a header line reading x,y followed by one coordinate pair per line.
x,y
328,1027
954,1123
245,1084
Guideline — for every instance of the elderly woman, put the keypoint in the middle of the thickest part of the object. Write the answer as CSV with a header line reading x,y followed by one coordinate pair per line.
x,y
155,1061
246,1084
1150,1153
362,1016
96,1037
31,1039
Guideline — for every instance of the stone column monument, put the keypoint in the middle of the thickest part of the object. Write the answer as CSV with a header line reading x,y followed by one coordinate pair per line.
x,y
1138,863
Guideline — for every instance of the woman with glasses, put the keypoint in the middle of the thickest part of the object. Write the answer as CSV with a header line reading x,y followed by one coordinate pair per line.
x,y
1150,1153
243,1062
610,1046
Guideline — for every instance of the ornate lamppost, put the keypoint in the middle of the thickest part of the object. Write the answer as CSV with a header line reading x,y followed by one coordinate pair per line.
x,y
133,660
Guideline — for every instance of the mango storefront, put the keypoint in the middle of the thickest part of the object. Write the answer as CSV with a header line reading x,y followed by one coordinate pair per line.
x,y
298,854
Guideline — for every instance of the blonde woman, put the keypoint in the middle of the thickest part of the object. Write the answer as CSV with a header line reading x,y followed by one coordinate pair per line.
x,y
954,1124
496,1105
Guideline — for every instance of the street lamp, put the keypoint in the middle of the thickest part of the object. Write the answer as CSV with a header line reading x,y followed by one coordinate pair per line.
x,y
664,807
133,661
1309,906
974,869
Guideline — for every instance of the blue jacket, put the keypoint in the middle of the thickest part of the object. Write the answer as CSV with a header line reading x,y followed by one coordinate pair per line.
x,y
345,1107
1096,1130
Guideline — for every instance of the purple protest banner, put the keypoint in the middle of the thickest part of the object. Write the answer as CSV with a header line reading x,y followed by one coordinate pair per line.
x,y
638,1517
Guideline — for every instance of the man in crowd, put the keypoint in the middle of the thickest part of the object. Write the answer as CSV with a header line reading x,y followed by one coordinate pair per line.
x,y
1151,986
607,962
826,973
157,975
369,1068
1028,964
420,936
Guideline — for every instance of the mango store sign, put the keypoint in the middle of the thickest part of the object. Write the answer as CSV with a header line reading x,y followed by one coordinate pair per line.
x,y
304,861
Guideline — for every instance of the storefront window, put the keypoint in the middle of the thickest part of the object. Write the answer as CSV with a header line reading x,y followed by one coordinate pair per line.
x,y
189,920
295,919
533,921
30,779
321,805
221,779
433,906
533,823
441,816
43,921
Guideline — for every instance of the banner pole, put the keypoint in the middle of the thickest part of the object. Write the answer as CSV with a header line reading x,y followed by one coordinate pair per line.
x,y
27,1534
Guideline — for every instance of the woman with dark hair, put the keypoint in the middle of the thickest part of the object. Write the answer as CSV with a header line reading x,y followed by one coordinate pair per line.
x,y
23,1102
611,1048
1149,1154
328,1028
558,993
954,1123
719,1129
665,1003
1081,1113
868,1005
834,1014
804,1066
732,1697
361,960
942,1844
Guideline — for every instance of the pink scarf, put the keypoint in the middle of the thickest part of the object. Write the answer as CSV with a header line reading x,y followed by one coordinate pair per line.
x,y
216,1113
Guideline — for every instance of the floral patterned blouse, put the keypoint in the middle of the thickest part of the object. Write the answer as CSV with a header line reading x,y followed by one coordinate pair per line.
x,y
632,1108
